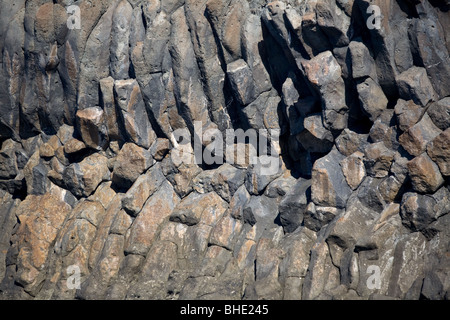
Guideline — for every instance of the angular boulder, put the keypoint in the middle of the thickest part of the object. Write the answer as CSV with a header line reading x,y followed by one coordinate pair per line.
x,y
353,169
241,81
131,162
414,84
83,178
425,175
362,63
419,211
439,151
293,205
325,75
378,159
439,113
142,189
195,208
372,99
133,113
329,187
144,228
408,114
315,137
92,127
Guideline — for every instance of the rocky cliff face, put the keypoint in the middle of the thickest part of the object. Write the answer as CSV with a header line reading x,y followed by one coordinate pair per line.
x,y
99,98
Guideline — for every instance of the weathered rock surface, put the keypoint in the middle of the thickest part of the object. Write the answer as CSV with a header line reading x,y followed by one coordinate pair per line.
x,y
83,178
353,169
414,84
131,162
293,205
108,128
439,152
408,114
417,137
439,112
325,75
372,99
425,175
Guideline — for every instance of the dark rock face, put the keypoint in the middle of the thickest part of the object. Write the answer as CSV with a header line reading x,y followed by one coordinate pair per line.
x,y
219,149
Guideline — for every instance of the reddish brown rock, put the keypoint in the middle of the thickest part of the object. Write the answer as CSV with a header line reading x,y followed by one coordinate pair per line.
x,y
133,113
104,194
372,98
92,127
424,174
103,229
439,151
350,142
145,227
142,189
160,148
329,188
180,175
389,189
228,22
415,140
324,73
131,162
226,230
156,66
408,114
46,151
353,169
106,269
